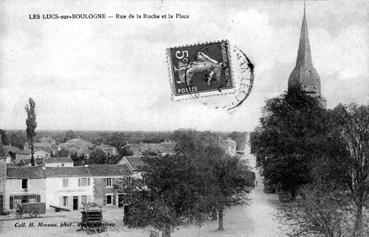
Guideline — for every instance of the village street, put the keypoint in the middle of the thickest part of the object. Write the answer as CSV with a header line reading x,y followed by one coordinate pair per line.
x,y
257,219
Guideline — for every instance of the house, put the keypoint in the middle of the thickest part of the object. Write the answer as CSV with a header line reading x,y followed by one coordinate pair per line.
x,y
47,139
2,181
163,148
108,150
58,162
47,147
229,146
27,162
68,187
78,146
24,185
134,164
22,155
10,152
71,187
41,154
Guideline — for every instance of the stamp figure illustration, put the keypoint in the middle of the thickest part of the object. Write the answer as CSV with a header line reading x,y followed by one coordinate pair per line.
x,y
201,69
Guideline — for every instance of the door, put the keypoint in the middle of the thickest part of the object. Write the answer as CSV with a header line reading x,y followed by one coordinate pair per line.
x,y
1,204
75,202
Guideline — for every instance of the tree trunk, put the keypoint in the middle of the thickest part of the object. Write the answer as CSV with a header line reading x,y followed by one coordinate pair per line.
x,y
214,214
166,232
359,219
32,154
220,221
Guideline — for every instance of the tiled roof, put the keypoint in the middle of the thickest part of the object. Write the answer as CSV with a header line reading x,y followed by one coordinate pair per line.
x,y
35,172
104,146
163,147
76,171
43,145
24,152
135,162
28,161
58,160
76,142
88,171
13,149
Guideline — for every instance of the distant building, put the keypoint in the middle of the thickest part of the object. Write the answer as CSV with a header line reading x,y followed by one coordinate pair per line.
x,y
59,162
163,148
41,154
22,155
27,162
47,139
77,146
134,164
108,150
10,152
2,176
229,146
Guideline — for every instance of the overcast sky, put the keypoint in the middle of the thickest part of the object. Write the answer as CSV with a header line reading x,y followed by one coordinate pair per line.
x,y
112,74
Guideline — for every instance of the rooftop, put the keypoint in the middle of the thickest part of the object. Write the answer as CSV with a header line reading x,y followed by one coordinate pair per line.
x,y
164,147
38,172
134,162
105,146
58,160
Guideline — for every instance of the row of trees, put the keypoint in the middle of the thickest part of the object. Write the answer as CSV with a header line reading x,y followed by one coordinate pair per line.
x,y
196,184
305,149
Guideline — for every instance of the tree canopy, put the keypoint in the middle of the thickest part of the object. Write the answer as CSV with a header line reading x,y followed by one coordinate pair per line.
x,y
294,132
31,126
189,186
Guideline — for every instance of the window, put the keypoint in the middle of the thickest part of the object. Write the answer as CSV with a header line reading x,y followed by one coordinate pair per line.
x,y
24,199
109,182
24,183
65,182
32,198
109,199
84,182
84,199
65,201
11,202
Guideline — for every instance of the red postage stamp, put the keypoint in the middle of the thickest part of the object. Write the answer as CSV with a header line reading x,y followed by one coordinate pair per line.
x,y
200,70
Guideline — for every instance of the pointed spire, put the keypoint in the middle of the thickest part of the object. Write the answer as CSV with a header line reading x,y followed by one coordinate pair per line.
x,y
304,53
304,76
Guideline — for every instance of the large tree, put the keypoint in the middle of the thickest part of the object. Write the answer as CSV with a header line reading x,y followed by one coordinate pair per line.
x,y
353,127
189,186
290,136
31,126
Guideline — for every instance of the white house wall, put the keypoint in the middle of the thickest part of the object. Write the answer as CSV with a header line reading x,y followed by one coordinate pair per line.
x,y
14,187
55,191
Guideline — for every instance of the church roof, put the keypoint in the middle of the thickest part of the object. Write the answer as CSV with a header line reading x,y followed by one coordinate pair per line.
x,y
304,76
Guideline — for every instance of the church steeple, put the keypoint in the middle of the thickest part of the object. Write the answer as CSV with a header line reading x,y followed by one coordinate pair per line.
x,y
304,76
304,53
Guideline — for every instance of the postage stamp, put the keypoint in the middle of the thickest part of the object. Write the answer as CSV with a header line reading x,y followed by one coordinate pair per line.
x,y
200,70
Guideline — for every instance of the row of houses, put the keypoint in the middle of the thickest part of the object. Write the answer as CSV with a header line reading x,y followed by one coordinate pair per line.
x,y
67,187
46,150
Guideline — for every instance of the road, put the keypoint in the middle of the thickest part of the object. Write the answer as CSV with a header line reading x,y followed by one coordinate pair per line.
x,y
257,219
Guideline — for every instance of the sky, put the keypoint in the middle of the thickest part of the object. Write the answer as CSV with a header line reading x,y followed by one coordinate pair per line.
x,y
112,74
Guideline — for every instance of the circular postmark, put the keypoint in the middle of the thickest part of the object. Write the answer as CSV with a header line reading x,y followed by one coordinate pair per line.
x,y
216,74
